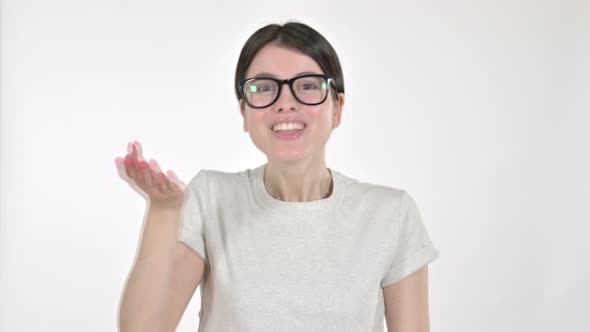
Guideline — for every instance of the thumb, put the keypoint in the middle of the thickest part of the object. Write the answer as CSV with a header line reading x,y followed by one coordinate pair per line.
x,y
175,179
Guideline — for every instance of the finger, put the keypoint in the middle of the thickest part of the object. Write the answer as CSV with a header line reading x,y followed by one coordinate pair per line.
x,y
145,172
129,161
176,184
120,164
154,165
157,171
169,183
142,164
135,164
139,148
127,173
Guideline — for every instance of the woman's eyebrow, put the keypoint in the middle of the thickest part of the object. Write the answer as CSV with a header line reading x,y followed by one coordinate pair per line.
x,y
264,74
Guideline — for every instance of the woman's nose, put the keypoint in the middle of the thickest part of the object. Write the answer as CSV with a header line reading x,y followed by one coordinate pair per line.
x,y
286,99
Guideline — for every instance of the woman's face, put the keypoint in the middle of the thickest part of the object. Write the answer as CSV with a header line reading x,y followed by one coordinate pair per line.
x,y
283,63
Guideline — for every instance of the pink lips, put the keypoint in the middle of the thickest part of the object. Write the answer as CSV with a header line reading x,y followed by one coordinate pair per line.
x,y
289,135
287,119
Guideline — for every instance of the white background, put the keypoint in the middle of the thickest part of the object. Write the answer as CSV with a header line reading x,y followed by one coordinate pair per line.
x,y
479,109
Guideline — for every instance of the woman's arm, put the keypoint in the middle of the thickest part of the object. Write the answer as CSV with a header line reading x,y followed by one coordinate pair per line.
x,y
166,272
406,303
163,279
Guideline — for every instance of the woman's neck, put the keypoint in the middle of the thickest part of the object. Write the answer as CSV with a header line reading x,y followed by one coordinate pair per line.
x,y
298,181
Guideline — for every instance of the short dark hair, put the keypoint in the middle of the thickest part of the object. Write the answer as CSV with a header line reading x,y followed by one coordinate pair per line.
x,y
293,35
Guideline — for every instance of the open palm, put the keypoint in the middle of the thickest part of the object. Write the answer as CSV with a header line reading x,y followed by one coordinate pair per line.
x,y
148,180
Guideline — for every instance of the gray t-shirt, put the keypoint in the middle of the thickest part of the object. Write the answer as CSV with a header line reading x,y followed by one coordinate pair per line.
x,y
299,266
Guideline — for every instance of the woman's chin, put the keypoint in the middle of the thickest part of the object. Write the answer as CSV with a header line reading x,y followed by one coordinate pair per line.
x,y
286,155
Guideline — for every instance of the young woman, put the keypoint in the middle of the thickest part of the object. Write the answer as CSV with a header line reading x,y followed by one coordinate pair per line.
x,y
290,245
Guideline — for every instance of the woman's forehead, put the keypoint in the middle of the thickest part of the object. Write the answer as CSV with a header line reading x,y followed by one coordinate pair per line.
x,y
281,62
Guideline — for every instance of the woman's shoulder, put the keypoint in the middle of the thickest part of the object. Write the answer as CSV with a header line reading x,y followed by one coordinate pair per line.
x,y
212,178
371,188
374,196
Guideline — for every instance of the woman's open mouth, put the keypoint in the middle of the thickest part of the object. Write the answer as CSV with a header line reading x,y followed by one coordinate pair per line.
x,y
288,131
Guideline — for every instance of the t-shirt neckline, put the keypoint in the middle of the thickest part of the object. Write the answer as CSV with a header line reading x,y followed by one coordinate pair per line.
x,y
277,206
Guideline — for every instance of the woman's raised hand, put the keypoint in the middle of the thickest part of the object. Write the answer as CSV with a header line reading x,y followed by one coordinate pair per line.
x,y
149,180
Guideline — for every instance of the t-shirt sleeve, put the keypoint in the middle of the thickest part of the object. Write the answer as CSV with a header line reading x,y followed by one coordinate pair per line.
x,y
194,215
413,248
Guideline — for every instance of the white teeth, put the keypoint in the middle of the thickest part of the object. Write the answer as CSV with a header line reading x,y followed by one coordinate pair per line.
x,y
288,126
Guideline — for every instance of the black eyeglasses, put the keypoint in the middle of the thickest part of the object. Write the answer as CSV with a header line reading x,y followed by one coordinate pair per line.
x,y
261,92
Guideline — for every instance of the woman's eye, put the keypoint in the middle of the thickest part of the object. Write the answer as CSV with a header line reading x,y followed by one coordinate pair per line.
x,y
261,88
264,87
308,86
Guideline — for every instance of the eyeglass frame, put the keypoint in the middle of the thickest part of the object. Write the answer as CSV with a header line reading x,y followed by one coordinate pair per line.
x,y
280,83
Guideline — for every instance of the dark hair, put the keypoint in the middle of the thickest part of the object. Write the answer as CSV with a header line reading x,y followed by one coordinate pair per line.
x,y
296,36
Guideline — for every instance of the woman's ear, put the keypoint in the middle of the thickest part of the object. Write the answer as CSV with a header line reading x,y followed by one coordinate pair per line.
x,y
243,113
338,107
